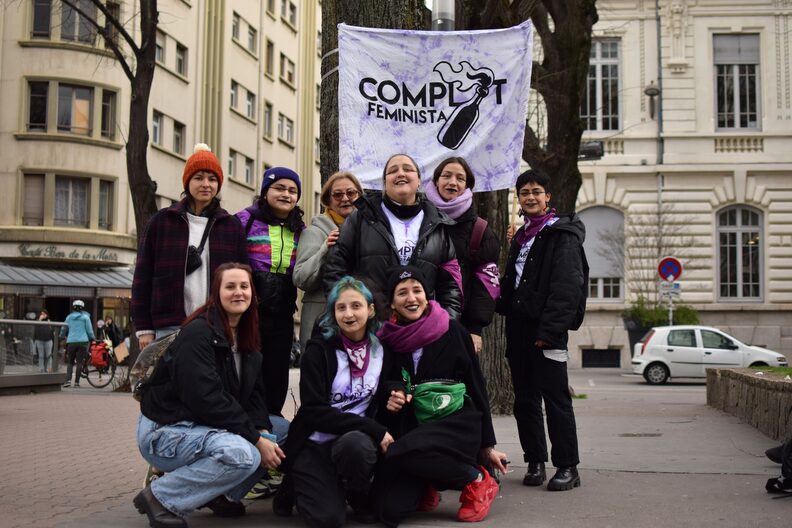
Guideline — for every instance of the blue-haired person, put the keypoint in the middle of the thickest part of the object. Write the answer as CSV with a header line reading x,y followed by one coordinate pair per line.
x,y
335,440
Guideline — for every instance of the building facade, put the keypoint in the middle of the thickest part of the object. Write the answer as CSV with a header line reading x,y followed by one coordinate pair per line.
x,y
693,103
240,76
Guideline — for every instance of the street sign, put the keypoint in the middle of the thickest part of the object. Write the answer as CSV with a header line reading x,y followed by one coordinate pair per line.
x,y
669,269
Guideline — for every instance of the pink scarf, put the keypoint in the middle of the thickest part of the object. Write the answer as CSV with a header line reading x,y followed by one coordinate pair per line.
x,y
358,354
453,208
410,337
534,224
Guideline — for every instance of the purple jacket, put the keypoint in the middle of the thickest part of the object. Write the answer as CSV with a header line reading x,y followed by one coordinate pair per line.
x,y
158,285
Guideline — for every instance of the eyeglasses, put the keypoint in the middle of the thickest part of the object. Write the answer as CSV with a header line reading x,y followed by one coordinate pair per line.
x,y
280,188
339,195
535,193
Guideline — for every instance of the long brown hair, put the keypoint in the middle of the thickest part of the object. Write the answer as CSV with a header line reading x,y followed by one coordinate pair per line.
x,y
247,331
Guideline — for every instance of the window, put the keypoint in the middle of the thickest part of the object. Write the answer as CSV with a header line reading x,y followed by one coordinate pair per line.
x,y
181,60
71,201
740,253
33,206
111,31
251,105
234,93
737,80
105,204
316,150
75,112
599,108
159,50
271,6
252,40
231,162
269,58
604,247
268,120
108,114
712,339
178,137
42,19
683,338
74,26
319,43
286,69
284,8
249,171
235,21
156,128
318,96
292,14
37,107
285,129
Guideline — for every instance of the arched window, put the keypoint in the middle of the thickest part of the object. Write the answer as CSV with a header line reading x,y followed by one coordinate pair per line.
x,y
604,247
740,253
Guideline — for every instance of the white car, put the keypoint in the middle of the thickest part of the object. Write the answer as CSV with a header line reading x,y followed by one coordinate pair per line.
x,y
687,351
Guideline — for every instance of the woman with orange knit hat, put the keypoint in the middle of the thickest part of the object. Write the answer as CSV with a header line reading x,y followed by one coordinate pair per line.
x,y
182,246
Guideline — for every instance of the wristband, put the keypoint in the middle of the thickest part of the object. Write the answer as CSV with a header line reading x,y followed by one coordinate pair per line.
x,y
269,436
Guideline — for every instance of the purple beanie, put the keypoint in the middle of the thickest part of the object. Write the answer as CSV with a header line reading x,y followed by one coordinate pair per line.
x,y
278,173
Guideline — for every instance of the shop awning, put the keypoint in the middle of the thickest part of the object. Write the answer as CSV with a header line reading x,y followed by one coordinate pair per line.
x,y
55,282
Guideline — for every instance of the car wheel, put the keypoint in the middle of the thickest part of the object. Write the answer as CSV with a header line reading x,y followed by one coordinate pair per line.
x,y
759,364
656,374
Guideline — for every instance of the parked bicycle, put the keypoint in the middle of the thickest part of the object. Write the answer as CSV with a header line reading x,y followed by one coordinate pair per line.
x,y
100,365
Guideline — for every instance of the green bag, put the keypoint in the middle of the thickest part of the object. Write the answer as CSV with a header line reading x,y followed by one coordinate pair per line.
x,y
436,399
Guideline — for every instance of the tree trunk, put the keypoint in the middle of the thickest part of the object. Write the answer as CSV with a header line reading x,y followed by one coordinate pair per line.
x,y
403,14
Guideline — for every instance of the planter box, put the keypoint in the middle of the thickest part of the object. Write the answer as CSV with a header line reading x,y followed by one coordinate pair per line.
x,y
763,401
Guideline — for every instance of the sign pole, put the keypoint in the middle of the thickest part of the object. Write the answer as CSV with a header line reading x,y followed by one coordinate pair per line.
x,y
670,304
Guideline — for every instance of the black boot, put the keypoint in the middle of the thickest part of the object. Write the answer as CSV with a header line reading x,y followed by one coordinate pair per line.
x,y
779,485
158,515
565,478
361,507
776,454
283,501
222,507
536,475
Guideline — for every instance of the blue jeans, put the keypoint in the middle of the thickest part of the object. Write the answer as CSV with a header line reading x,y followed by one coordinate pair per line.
x,y
200,462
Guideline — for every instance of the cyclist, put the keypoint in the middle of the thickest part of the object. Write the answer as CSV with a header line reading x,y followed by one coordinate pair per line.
x,y
78,332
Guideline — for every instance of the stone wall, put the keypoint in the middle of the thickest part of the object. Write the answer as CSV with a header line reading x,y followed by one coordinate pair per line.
x,y
764,401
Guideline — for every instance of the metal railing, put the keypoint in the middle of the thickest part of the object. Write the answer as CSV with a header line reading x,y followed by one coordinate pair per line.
x,y
30,347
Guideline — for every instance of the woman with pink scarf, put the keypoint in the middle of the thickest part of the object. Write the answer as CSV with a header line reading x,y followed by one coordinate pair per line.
x,y
438,411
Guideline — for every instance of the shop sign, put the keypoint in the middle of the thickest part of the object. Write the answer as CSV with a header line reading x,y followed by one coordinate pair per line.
x,y
54,251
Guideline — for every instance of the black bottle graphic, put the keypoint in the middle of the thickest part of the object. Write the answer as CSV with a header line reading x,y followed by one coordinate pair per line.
x,y
461,121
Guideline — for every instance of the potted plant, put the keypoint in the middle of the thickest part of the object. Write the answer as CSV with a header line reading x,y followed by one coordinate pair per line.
x,y
641,315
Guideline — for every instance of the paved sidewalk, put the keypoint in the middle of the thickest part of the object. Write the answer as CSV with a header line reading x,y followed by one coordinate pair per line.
x,y
651,456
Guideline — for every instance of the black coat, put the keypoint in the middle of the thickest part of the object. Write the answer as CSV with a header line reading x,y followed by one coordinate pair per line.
x,y
366,248
197,381
461,434
478,303
553,284
318,368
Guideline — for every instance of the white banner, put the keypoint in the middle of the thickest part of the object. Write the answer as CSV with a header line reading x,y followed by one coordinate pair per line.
x,y
434,94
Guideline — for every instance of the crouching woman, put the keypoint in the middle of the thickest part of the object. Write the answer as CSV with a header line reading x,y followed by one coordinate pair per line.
x,y
204,419
441,418
335,441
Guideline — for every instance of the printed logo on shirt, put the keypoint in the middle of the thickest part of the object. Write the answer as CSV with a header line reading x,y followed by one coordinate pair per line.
x,y
352,396
523,255
405,252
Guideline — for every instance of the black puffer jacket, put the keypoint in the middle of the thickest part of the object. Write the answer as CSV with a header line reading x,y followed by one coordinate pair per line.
x,y
366,248
554,282
478,303
196,380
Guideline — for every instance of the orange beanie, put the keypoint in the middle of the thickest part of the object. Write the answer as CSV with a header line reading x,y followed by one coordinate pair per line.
x,y
202,159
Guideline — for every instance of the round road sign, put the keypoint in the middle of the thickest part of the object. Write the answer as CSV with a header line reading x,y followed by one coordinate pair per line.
x,y
669,269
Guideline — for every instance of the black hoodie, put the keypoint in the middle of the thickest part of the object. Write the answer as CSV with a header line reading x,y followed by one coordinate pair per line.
x,y
551,295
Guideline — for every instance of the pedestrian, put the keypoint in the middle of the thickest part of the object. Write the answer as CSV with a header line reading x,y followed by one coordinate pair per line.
x,y
42,342
477,248
441,445
398,228
338,196
181,248
781,455
78,333
273,225
113,332
543,296
204,419
335,439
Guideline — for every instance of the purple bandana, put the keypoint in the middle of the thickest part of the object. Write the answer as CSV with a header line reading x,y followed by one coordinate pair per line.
x,y
454,208
409,338
358,353
534,224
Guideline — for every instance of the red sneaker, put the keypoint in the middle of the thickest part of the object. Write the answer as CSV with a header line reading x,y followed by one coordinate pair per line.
x,y
429,501
477,497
